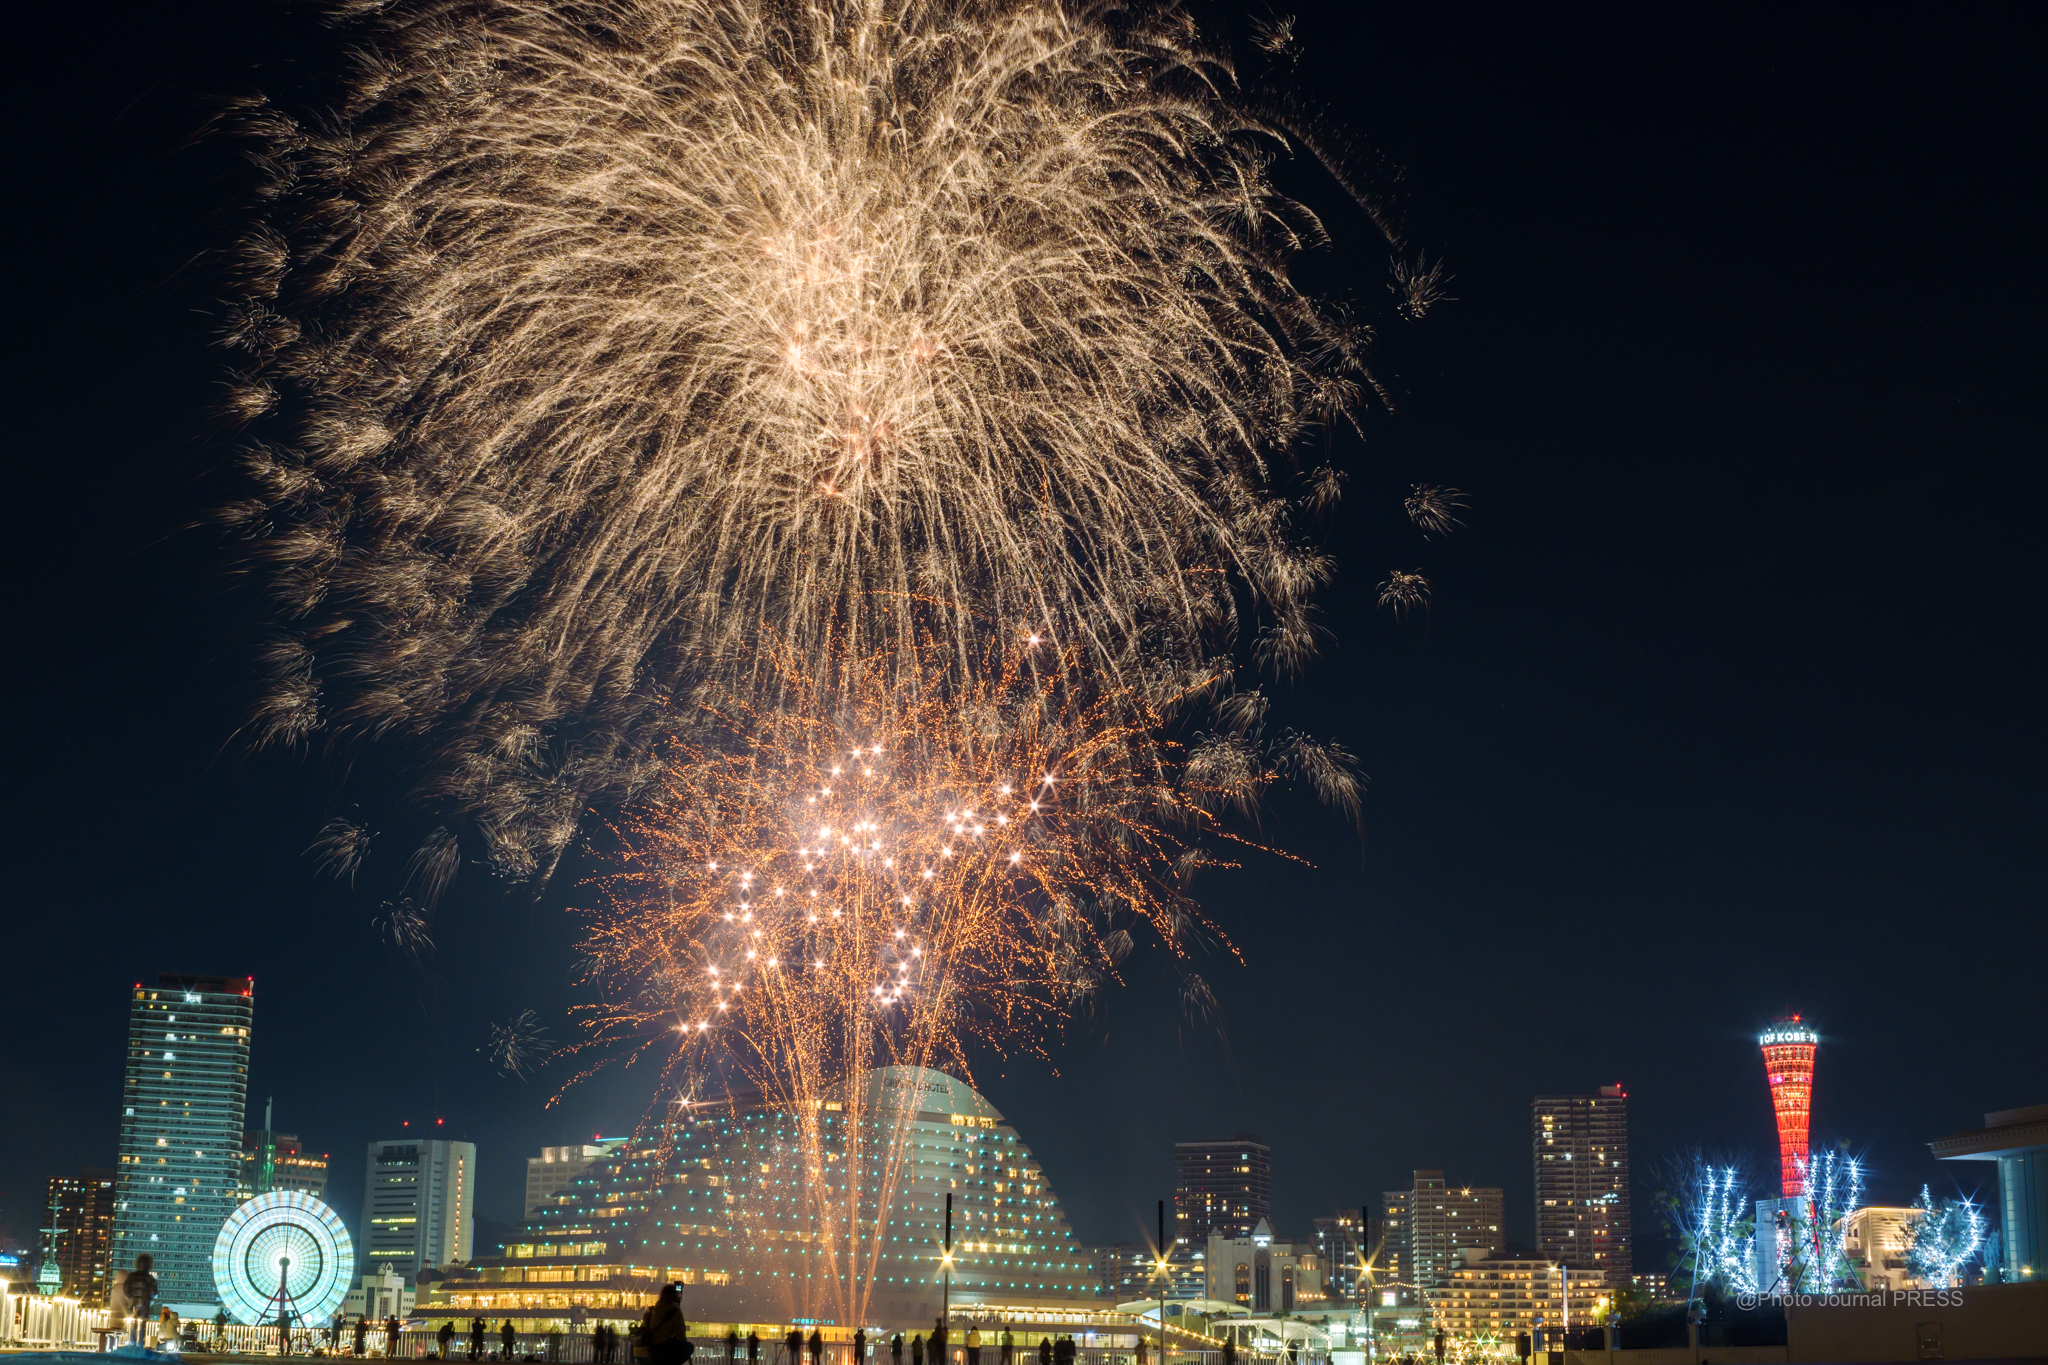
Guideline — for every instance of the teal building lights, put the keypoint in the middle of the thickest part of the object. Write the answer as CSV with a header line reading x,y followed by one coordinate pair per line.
x,y
182,1102
730,1202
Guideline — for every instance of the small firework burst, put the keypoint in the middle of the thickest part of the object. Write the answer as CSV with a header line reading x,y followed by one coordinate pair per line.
x,y
1434,509
1275,35
404,925
1419,287
339,848
519,1046
1404,592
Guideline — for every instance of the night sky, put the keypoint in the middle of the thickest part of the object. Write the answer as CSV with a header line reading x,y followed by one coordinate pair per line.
x,y
1729,703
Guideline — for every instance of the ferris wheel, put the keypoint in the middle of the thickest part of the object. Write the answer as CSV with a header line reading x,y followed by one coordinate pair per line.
x,y
286,1253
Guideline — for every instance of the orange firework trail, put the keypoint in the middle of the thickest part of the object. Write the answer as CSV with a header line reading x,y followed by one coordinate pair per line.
x,y
805,897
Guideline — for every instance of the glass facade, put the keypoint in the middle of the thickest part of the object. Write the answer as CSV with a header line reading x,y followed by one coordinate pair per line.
x,y
767,1217
183,1098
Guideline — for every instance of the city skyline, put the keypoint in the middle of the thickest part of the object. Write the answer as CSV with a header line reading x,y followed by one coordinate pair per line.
x,y
1740,631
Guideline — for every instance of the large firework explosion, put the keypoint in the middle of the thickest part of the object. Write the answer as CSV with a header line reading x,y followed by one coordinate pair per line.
x,y
803,898
587,343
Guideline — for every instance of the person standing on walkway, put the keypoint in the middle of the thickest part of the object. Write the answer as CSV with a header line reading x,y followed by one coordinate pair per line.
x,y
973,1345
1008,1350
597,1345
128,1303
817,1346
477,1328
753,1347
793,1347
446,1338
1045,1351
896,1349
363,1336
392,1327
917,1350
860,1345
663,1330
509,1335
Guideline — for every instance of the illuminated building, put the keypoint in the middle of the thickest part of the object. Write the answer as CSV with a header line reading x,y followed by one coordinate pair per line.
x,y
1581,1164
1500,1294
1395,1263
82,1214
2017,1139
419,1204
1224,1186
557,1167
1262,1276
278,1161
1876,1240
1441,1222
1788,1047
379,1293
721,1202
182,1100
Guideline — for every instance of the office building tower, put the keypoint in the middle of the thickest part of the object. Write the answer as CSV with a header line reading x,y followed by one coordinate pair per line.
x,y
1789,1046
81,1233
1581,1162
1446,1221
419,1205
182,1101
557,1168
1220,1187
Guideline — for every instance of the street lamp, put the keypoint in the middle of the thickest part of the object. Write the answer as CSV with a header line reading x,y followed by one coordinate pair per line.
x,y
1164,1280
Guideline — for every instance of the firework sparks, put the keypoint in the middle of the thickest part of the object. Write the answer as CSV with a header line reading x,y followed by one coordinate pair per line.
x,y
516,1048
802,898
1404,592
573,364
340,847
1434,509
406,927
1419,287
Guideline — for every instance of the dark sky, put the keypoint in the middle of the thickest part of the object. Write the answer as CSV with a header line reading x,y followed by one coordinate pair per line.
x,y
1730,701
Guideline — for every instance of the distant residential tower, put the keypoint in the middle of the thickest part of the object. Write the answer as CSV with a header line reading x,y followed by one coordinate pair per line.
x,y
1581,1161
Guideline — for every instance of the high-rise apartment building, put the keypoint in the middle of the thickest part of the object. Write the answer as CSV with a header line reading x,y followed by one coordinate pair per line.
x,y
81,1211
419,1205
1446,1221
557,1168
1220,1187
1581,1160
1394,1266
182,1104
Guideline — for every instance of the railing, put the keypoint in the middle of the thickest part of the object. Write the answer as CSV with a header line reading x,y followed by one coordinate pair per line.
x,y
54,1322
577,1348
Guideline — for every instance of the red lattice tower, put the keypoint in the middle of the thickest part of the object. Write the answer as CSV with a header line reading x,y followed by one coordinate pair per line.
x,y
1788,1048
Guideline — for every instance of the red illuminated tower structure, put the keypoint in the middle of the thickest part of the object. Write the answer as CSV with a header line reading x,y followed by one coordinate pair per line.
x,y
1788,1046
